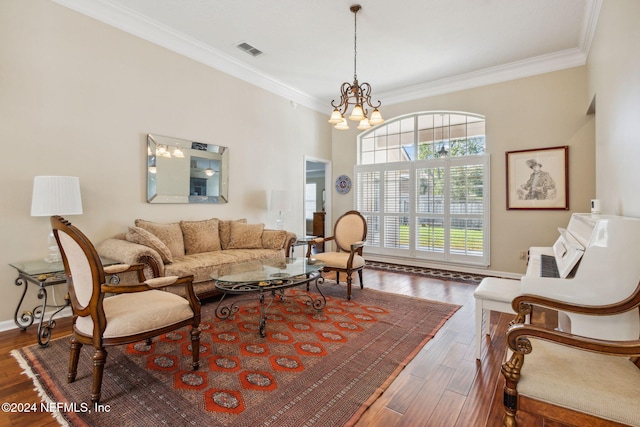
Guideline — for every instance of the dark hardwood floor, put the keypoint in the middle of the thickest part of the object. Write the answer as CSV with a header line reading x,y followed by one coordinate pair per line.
x,y
442,386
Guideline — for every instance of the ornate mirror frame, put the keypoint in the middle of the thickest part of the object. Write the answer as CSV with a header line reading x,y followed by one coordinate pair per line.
x,y
183,171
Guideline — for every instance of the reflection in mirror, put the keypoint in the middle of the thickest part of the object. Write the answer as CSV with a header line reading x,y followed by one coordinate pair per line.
x,y
183,171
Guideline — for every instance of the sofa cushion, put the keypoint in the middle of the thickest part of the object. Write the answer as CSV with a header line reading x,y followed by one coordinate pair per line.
x,y
143,237
273,239
245,236
169,234
200,236
225,231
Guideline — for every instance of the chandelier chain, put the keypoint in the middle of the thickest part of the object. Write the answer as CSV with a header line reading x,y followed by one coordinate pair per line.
x,y
355,44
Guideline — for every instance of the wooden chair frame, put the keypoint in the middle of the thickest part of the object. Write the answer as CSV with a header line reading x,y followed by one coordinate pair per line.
x,y
95,308
353,250
518,336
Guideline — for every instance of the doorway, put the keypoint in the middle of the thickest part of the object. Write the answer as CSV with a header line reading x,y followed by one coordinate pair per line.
x,y
317,203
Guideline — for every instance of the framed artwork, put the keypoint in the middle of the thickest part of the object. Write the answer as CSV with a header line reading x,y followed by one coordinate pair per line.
x,y
538,179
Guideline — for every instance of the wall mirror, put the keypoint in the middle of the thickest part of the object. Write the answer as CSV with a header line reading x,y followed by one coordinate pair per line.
x,y
183,171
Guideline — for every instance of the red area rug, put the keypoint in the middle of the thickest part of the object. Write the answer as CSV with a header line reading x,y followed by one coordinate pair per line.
x,y
312,368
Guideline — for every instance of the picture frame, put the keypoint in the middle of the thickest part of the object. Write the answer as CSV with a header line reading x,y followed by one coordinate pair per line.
x,y
538,179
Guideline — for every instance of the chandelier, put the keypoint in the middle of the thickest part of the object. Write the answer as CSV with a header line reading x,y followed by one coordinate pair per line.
x,y
358,95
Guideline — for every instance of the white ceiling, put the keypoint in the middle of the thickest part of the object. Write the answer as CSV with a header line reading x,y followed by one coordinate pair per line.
x,y
407,49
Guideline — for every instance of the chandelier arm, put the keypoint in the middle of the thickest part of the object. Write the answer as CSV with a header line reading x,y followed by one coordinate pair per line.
x,y
366,93
345,89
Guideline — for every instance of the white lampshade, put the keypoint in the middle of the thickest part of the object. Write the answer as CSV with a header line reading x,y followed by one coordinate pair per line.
x,y
343,125
280,200
336,117
364,124
357,114
56,195
178,153
376,117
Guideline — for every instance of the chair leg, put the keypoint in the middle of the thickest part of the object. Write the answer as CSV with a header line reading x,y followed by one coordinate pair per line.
x,y
348,286
360,276
195,347
99,359
338,277
73,359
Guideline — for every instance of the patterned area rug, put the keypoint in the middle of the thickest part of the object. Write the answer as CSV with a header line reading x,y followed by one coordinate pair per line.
x,y
428,272
312,368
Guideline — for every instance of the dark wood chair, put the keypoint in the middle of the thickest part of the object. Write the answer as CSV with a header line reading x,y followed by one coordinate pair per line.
x,y
349,234
136,312
568,378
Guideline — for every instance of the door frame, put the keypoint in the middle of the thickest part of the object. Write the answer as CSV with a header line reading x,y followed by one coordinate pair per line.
x,y
327,201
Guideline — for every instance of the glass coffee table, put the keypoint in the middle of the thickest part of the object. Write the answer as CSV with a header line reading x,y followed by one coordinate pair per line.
x,y
268,279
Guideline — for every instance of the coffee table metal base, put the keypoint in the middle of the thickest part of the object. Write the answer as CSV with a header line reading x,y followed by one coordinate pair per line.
x,y
275,291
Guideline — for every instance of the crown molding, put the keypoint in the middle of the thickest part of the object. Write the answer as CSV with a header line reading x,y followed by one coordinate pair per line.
x,y
589,23
134,23
516,70
138,25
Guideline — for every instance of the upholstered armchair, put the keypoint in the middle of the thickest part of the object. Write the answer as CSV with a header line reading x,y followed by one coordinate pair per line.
x,y
349,234
569,378
136,312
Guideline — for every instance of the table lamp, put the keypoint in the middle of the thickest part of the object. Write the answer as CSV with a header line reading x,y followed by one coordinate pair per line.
x,y
55,195
280,202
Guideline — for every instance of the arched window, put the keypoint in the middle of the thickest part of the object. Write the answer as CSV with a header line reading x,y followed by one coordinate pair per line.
x,y
422,182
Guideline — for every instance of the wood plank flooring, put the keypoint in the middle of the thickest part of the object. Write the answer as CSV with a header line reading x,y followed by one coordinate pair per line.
x,y
442,386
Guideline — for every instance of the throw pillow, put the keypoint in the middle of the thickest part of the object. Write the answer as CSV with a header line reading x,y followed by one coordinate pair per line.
x,y
225,231
143,237
200,236
245,236
169,234
273,239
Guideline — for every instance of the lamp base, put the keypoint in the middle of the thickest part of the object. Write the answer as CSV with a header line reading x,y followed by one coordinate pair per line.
x,y
280,221
53,258
54,251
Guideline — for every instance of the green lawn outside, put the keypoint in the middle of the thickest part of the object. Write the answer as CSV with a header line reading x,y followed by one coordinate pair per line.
x,y
434,237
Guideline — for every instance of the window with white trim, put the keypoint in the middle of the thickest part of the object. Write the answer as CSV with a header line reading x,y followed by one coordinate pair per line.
x,y
310,203
422,183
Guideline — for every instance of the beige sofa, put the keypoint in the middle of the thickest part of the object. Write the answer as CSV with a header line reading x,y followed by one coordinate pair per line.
x,y
200,248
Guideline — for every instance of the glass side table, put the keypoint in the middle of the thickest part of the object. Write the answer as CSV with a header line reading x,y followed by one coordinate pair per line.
x,y
42,274
301,241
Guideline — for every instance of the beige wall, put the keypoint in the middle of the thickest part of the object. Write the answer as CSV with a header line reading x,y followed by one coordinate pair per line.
x,y
78,97
614,80
543,111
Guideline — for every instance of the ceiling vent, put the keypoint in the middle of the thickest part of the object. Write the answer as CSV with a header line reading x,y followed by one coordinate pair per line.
x,y
246,47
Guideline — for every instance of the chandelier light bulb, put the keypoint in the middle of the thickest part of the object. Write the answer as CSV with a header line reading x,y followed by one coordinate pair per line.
x,y
343,125
364,124
209,172
376,117
357,114
336,117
